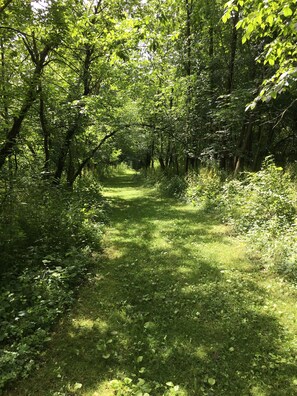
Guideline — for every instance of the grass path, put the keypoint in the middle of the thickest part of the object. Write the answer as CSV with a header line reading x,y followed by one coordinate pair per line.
x,y
173,300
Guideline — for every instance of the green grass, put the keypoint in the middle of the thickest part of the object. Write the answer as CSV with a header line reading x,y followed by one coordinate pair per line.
x,y
173,299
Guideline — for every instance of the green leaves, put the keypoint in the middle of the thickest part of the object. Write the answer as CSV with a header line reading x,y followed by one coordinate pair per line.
x,y
77,386
226,16
270,19
211,381
54,262
149,325
287,11
263,19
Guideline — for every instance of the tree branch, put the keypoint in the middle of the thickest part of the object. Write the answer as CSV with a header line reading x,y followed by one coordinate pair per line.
x,y
15,30
91,155
284,112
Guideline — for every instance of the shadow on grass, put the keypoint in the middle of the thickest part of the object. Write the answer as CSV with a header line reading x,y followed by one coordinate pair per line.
x,y
158,311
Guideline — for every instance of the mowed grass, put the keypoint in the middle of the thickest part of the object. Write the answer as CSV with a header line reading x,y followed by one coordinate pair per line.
x,y
173,301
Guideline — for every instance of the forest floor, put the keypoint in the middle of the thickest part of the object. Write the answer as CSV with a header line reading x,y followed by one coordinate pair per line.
x,y
175,306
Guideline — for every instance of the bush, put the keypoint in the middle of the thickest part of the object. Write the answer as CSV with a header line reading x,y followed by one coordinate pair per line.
x,y
30,306
166,183
285,253
46,237
275,247
174,186
261,206
38,218
204,188
260,197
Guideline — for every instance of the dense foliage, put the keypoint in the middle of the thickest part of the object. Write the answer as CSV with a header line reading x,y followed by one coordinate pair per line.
x,y
47,238
260,206
87,83
275,23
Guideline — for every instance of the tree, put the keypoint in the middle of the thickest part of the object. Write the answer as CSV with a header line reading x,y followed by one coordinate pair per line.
x,y
273,23
33,39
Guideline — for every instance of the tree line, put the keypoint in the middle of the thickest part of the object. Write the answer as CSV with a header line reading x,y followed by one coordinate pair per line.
x,y
178,83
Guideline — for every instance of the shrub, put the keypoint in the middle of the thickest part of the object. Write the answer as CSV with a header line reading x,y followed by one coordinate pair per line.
x,y
167,183
261,206
29,307
260,197
174,186
276,248
285,253
47,236
204,188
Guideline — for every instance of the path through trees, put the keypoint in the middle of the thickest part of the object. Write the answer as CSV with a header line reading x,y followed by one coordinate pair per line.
x,y
173,306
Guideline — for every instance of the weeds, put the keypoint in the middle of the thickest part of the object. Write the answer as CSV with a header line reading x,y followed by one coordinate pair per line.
x,y
47,236
260,206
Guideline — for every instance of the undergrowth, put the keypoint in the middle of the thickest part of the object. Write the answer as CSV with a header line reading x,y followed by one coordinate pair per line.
x,y
167,184
173,309
261,206
47,235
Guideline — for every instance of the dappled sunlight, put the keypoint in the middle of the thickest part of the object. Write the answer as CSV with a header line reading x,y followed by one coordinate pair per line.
x,y
172,300
85,323
80,323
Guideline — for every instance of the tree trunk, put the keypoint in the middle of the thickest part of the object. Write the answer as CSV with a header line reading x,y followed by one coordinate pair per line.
x,y
233,48
85,162
188,38
65,148
86,81
246,139
70,169
4,84
162,163
45,131
211,50
31,95
188,67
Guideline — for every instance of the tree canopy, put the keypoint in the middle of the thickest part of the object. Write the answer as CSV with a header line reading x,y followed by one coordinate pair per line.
x,y
174,83
273,23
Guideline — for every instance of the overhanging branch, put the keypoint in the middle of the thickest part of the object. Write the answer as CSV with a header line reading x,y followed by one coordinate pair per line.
x,y
91,155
